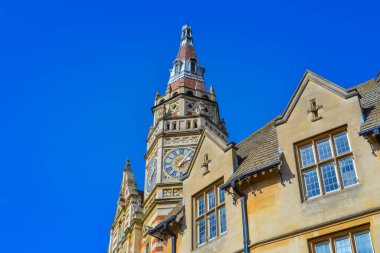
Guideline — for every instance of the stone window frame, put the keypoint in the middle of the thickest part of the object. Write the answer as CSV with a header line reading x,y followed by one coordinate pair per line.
x,y
318,163
331,237
207,212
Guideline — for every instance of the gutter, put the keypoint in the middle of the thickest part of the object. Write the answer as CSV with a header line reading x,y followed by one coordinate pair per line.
x,y
373,130
165,226
243,199
255,171
172,235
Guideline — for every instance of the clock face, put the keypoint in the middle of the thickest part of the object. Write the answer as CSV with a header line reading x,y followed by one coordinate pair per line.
x,y
152,175
177,161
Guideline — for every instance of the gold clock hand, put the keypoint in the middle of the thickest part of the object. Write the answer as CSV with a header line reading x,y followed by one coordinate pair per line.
x,y
184,159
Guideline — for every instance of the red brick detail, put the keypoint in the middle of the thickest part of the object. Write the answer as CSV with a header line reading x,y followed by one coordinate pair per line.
x,y
186,52
158,249
158,218
189,83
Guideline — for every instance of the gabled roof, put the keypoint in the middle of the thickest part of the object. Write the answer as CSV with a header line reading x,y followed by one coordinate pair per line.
x,y
258,152
212,136
370,102
310,76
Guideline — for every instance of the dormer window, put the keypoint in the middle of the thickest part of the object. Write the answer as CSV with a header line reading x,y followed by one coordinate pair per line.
x,y
177,68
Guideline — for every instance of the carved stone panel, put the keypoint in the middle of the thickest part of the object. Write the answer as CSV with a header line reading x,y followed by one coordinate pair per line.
x,y
174,141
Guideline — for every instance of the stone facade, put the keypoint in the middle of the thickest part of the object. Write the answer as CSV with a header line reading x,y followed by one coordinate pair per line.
x,y
305,182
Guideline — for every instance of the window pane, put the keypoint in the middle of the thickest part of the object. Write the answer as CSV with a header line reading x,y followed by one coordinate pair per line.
x,y
221,196
348,171
211,199
342,245
324,150
212,225
363,243
201,231
311,182
222,220
330,181
323,247
341,143
201,205
307,155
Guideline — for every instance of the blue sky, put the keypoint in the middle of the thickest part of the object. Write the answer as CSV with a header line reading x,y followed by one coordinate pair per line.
x,y
78,79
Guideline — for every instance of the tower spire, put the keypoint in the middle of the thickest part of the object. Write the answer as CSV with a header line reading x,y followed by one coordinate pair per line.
x,y
186,72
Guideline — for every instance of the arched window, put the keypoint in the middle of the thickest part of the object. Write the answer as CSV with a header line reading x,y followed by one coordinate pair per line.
x,y
190,93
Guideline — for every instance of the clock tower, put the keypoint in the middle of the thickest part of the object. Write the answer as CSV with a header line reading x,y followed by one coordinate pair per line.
x,y
179,117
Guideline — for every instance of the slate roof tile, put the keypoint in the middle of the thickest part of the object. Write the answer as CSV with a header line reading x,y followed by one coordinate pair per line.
x,y
370,102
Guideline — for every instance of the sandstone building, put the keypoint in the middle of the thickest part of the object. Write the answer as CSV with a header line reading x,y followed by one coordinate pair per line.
x,y
307,181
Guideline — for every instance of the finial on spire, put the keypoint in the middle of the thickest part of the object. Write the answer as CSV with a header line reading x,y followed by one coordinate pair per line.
x,y
158,95
186,37
127,164
212,90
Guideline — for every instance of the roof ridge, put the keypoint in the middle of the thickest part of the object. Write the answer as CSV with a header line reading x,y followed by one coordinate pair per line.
x,y
363,83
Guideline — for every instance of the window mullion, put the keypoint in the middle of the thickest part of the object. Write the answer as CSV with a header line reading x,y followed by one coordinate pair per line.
x,y
332,246
320,177
205,216
352,242
319,172
217,221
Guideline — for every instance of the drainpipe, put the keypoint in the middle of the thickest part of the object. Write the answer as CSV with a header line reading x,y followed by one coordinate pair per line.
x,y
173,237
243,199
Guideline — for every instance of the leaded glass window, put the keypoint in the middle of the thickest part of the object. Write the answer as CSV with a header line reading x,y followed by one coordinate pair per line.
x,y
326,164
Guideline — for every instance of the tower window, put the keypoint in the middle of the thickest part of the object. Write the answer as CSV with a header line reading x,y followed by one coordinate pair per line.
x,y
174,127
168,126
188,124
205,96
195,124
177,68
192,66
190,93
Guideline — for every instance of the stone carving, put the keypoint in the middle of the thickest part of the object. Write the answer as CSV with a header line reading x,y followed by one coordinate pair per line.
x,y
166,193
181,140
177,192
172,192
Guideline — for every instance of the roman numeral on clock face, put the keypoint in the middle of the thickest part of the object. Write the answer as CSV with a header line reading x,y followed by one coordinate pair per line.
x,y
176,162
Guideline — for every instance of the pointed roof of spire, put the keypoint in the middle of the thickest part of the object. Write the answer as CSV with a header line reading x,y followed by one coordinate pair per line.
x,y
186,71
186,50
128,176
